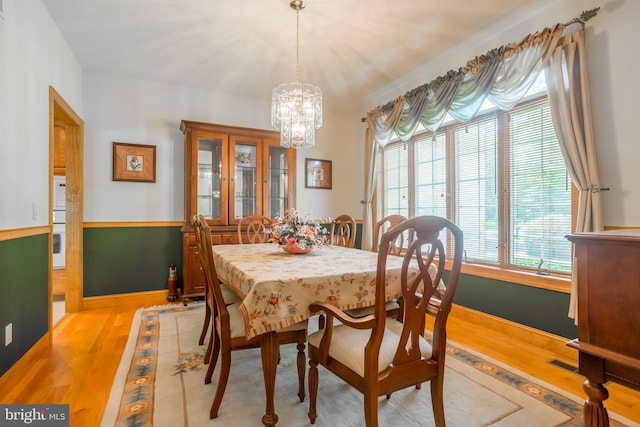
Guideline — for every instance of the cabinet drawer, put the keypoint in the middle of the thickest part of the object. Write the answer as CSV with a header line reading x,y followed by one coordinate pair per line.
x,y
225,239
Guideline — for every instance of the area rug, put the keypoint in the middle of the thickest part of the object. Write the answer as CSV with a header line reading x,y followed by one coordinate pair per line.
x,y
160,382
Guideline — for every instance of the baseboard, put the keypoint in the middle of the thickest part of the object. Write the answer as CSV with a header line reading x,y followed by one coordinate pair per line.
x,y
536,337
142,299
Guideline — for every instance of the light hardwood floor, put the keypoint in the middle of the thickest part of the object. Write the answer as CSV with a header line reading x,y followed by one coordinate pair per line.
x,y
79,367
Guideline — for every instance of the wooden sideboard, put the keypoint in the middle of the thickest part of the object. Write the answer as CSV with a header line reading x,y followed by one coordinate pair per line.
x,y
608,283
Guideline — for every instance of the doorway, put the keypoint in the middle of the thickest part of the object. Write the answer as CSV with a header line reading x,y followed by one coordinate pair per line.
x,y
67,161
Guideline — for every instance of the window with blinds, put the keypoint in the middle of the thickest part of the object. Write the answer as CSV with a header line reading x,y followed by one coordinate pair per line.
x,y
396,180
501,178
476,188
431,175
539,192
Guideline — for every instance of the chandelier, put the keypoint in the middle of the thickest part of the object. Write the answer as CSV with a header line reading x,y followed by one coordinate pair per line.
x,y
296,108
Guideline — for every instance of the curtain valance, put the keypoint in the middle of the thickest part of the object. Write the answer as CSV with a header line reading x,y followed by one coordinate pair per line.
x,y
502,75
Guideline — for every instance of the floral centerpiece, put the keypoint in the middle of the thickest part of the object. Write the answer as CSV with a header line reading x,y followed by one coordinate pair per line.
x,y
296,234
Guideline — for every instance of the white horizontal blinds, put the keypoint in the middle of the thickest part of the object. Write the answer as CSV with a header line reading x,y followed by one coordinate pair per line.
x,y
539,192
476,200
430,160
396,179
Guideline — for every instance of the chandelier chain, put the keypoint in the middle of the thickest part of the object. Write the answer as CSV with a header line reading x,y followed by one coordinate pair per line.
x,y
296,108
297,46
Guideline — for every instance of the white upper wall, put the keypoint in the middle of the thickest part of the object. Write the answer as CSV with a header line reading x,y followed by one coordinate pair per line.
x,y
139,112
116,109
33,56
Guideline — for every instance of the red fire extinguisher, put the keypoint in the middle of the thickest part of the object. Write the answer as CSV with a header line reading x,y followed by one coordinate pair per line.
x,y
173,284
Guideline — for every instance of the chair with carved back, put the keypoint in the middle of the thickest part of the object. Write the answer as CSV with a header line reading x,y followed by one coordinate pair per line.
x,y
385,224
230,297
378,355
255,229
343,231
395,248
228,332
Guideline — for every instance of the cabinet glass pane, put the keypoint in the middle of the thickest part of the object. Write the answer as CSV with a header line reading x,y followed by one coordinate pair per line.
x,y
245,180
209,172
277,181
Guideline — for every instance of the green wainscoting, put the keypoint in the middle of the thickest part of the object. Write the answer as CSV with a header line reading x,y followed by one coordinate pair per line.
x,y
24,270
136,259
121,260
538,308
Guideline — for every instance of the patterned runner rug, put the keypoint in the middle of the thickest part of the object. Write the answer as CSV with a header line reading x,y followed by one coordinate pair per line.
x,y
160,382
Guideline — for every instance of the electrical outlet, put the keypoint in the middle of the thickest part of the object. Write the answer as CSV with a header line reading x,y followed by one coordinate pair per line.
x,y
8,334
34,208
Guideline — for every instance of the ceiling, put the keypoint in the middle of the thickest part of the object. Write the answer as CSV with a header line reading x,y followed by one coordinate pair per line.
x,y
348,48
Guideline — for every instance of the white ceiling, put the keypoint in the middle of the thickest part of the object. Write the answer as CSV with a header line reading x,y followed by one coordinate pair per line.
x,y
348,48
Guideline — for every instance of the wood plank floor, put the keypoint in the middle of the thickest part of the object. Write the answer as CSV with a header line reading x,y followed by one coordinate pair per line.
x,y
79,368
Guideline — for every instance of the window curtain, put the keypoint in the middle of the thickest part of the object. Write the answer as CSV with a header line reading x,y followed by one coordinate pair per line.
x,y
503,76
567,84
380,127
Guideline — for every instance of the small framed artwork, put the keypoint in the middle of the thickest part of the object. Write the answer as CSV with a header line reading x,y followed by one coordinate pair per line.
x,y
134,162
318,173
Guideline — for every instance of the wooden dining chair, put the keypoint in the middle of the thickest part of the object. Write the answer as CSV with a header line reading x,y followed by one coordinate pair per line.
x,y
395,248
385,224
378,355
255,229
229,296
343,231
228,332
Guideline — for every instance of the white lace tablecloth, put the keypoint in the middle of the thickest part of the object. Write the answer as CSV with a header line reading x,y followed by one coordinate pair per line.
x,y
278,287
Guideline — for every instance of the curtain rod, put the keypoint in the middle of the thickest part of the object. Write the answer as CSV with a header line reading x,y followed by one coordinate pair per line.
x,y
584,17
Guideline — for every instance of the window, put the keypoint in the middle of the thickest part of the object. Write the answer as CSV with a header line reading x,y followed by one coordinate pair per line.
x,y
501,178
396,179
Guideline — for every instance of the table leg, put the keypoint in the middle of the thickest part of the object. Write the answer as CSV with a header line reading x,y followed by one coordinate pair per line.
x,y
269,351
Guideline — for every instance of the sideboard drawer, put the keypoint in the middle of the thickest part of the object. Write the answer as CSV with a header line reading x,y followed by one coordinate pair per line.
x,y
228,239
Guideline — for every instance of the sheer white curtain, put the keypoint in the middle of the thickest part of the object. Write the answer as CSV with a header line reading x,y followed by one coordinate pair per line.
x,y
380,127
567,83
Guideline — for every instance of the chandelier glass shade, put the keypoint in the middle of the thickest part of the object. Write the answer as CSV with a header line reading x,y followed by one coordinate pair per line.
x,y
296,108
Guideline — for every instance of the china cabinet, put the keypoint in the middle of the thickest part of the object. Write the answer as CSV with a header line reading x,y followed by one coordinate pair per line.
x,y
230,172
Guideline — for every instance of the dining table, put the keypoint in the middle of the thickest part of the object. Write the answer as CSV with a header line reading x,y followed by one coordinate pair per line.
x,y
277,288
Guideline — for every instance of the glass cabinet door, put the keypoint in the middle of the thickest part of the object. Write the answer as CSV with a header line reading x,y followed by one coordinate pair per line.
x,y
277,180
209,185
246,185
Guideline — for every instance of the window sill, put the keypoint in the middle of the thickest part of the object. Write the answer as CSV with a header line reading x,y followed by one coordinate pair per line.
x,y
558,283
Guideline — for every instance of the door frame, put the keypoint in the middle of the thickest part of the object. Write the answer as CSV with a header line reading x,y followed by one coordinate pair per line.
x,y
62,114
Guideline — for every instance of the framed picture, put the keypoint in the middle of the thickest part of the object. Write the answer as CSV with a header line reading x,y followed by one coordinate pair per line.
x,y
134,162
318,173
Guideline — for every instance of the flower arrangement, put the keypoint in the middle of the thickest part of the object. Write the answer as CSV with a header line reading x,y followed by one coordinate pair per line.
x,y
292,232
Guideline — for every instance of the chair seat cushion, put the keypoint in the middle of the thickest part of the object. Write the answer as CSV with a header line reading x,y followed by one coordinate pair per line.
x,y
228,295
237,322
347,345
365,311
